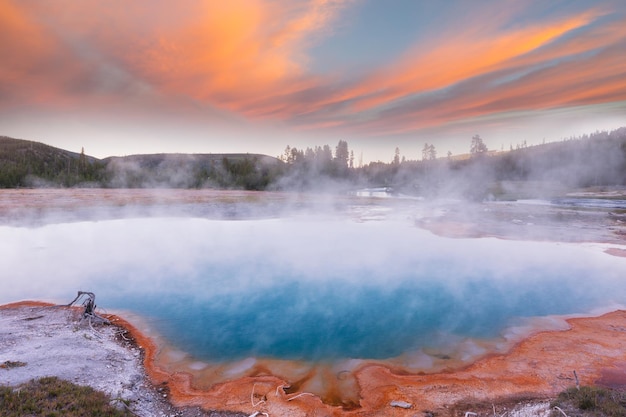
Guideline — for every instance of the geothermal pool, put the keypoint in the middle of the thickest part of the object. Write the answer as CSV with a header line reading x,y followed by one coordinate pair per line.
x,y
224,296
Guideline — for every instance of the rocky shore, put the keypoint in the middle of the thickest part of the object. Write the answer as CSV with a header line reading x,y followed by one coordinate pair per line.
x,y
118,360
39,340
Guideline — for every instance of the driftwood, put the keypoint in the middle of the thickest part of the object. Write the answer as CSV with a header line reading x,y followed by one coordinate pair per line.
x,y
261,401
561,411
401,404
89,313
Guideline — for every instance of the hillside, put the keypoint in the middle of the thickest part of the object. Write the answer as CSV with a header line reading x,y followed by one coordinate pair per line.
x,y
241,171
26,163
598,159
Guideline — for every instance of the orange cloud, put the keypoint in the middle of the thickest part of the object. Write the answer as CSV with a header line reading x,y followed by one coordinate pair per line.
x,y
577,81
48,61
481,48
25,49
249,57
481,72
458,58
229,54
237,53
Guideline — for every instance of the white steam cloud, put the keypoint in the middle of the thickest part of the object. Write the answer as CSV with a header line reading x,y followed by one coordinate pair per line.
x,y
155,254
263,286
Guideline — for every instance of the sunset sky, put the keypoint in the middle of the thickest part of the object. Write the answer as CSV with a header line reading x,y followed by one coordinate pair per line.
x,y
119,77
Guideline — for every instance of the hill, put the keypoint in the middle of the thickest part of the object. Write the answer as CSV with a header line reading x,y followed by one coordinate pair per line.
x,y
598,159
25,163
241,171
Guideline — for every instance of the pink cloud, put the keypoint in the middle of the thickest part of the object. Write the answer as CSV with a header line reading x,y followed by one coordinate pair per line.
x,y
250,58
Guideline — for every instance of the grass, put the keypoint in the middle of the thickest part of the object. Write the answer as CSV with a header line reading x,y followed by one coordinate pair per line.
x,y
53,397
11,364
590,402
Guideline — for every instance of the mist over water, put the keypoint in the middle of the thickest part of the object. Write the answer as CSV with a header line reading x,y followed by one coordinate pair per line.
x,y
306,287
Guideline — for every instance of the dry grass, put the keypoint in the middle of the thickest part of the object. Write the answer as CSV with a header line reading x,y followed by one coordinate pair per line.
x,y
53,397
591,402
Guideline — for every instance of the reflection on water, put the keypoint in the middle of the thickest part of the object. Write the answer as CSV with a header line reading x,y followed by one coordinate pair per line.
x,y
310,298
380,192
336,319
592,203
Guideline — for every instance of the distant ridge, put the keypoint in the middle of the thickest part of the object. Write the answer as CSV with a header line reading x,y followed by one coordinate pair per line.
x,y
26,163
594,160
20,150
156,158
179,170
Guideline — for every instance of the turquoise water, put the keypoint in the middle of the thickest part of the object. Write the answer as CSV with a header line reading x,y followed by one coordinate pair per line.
x,y
306,288
314,322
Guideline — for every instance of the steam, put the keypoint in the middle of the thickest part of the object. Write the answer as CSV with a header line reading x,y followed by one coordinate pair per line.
x,y
526,172
306,286
309,287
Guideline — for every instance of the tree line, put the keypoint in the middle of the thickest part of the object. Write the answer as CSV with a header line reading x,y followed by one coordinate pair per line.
x,y
36,165
597,159
589,160
33,164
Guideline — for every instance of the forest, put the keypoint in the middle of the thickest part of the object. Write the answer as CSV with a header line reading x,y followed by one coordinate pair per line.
x,y
597,159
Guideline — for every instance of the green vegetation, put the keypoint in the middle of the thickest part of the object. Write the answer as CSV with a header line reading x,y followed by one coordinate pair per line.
x,y
598,159
223,171
52,397
594,160
590,402
32,164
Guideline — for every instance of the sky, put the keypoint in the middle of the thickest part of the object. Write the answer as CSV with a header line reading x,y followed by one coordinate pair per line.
x,y
121,77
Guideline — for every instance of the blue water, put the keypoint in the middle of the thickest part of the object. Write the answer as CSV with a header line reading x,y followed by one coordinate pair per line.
x,y
306,288
315,322
373,311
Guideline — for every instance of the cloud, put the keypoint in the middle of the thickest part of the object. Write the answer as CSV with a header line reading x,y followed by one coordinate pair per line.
x,y
25,48
571,61
225,53
463,56
251,60
230,54
52,62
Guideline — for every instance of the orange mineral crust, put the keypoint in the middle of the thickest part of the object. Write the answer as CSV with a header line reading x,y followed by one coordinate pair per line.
x,y
540,366
26,303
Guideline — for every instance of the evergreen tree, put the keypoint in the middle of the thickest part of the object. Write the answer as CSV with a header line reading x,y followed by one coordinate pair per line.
x,y
477,146
342,154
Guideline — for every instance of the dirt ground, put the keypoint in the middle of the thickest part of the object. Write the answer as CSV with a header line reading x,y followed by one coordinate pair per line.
x,y
41,340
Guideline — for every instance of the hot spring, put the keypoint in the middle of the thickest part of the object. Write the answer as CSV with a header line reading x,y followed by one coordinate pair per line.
x,y
295,293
